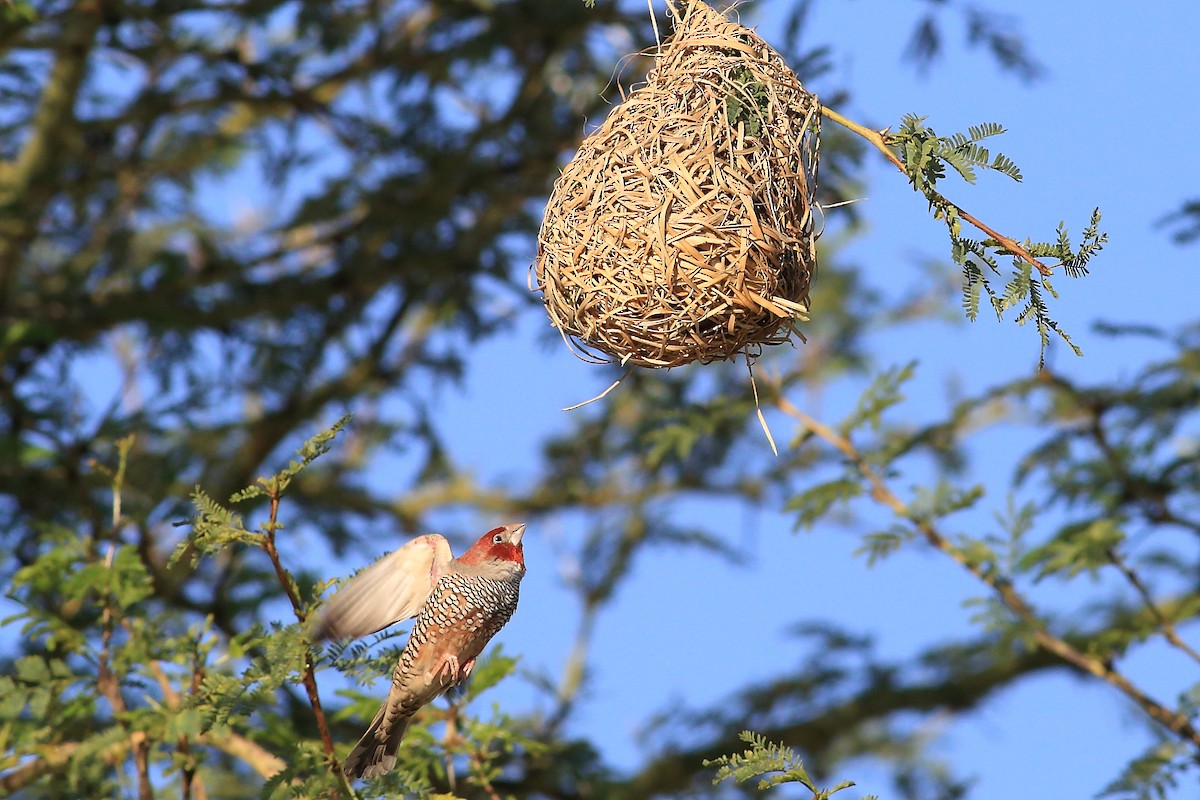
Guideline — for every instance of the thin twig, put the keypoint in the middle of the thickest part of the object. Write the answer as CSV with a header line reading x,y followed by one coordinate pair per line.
x,y
192,785
880,142
1168,628
476,758
310,678
107,681
1175,722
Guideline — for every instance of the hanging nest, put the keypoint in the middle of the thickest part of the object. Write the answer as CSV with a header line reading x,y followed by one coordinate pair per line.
x,y
683,228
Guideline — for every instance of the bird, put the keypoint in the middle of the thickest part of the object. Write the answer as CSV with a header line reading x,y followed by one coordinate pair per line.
x,y
459,604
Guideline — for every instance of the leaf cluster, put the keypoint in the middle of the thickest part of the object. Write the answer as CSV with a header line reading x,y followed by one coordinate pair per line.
x,y
185,697
773,764
1154,775
746,103
924,157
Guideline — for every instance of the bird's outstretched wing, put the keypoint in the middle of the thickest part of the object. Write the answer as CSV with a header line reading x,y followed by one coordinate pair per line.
x,y
394,588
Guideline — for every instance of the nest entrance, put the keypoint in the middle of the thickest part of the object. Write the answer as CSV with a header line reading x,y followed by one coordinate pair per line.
x,y
683,228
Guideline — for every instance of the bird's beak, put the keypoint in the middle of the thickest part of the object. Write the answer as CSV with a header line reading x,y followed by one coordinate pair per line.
x,y
516,531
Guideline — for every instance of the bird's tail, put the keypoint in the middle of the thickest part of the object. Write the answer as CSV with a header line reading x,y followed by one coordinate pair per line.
x,y
375,753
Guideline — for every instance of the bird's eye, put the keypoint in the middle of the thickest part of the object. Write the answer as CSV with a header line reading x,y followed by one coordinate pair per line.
x,y
498,538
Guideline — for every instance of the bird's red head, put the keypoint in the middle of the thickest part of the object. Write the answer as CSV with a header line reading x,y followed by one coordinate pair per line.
x,y
498,544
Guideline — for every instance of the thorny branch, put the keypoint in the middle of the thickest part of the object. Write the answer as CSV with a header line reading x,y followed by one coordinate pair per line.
x,y
1175,722
880,142
310,678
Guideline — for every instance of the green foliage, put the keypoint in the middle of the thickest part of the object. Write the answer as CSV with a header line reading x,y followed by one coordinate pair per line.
x,y
1186,221
364,661
309,452
1078,547
925,157
881,395
997,621
998,33
944,499
1099,450
1074,262
36,687
878,545
18,12
773,764
213,529
746,104
214,692
815,503
1154,775
687,430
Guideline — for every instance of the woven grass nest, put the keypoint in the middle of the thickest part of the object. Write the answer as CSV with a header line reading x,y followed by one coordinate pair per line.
x,y
683,230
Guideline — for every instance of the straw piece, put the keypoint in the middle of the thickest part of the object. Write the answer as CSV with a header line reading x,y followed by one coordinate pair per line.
x,y
762,420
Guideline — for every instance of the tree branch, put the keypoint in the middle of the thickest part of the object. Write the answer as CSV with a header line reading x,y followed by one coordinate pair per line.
x,y
1175,722
289,587
1168,627
52,759
107,681
823,734
27,184
261,760
55,758
192,784
879,140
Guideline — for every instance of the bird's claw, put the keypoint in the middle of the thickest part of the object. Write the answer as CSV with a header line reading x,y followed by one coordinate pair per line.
x,y
450,672
450,669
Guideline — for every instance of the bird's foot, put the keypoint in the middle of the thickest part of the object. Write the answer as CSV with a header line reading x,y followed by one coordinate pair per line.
x,y
448,670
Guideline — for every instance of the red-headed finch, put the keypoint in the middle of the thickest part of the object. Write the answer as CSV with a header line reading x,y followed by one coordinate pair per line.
x,y
459,605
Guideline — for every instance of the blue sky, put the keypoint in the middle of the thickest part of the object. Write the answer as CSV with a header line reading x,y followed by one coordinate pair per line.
x,y
1112,125
1114,83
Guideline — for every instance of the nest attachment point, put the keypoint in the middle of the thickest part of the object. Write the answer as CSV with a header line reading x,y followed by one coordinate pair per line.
x,y
683,228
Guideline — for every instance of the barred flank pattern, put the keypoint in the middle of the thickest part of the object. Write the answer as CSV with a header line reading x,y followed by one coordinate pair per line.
x,y
461,616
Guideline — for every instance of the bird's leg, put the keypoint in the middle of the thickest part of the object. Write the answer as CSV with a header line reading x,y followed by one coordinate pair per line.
x,y
448,668
466,670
